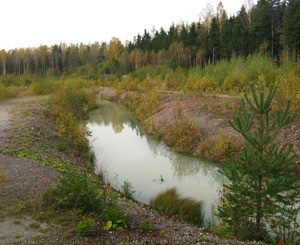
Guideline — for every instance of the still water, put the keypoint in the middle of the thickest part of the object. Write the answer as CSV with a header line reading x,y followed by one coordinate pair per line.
x,y
125,153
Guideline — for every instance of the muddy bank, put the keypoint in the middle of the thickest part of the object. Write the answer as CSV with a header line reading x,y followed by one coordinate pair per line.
x,y
210,113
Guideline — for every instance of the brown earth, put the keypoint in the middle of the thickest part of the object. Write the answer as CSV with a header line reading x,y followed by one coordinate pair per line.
x,y
28,138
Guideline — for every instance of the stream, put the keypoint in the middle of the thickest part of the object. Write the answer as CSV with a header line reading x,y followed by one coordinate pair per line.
x,y
125,153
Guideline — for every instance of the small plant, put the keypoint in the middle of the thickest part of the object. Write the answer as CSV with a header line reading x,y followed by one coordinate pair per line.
x,y
17,236
147,225
127,188
75,190
115,217
16,222
203,239
228,105
63,145
171,203
85,228
2,178
34,226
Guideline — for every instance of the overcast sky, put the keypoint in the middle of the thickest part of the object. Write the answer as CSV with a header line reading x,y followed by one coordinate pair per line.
x,y
30,23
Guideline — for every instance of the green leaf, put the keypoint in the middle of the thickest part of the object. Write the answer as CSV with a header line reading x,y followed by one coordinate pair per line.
x,y
107,226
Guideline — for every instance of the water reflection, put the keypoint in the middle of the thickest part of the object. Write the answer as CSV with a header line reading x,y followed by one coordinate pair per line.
x,y
123,150
183,164
115,115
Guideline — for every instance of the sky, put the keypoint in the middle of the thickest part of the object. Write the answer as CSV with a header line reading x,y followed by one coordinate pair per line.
x,y
31,23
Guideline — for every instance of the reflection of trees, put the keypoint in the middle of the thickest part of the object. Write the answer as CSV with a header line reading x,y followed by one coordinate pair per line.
x,y
183,165
113,114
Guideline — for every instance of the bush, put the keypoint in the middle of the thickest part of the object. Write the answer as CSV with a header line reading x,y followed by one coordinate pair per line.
x,y
42,87
4,92
75,190
184,135
146,225
63,145
148,105
127,188
85,228
217,147
171,203
290,89
69,106
115,216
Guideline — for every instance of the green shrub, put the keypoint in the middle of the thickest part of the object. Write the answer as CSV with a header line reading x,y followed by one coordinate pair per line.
x,y
127,188
63,145
114,214
69,106
148,105
42,87
75,190
217,147
290,89
146,225
183,134
4,92
85,228
171,203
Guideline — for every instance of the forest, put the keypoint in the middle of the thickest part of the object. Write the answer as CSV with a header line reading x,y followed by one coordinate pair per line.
x,y
271,28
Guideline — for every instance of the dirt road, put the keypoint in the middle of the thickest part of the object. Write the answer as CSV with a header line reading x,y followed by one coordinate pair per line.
x,y
24,178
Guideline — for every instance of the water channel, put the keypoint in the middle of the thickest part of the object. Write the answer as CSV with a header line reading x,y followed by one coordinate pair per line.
x,y
125,153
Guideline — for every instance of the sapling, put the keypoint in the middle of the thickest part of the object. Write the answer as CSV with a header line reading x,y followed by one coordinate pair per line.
x,y
262,193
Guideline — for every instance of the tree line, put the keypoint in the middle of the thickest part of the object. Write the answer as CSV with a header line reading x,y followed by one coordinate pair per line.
x,y
271,27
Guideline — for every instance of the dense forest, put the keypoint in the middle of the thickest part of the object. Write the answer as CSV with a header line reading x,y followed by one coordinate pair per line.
x,y
271,27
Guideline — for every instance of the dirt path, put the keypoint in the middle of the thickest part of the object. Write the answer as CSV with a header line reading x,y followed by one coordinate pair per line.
x,y
25,178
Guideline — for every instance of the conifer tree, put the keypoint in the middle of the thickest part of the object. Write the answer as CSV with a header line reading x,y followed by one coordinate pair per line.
x,y
262,192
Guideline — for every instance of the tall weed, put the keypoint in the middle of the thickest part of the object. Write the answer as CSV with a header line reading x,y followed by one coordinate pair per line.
x,y
171,203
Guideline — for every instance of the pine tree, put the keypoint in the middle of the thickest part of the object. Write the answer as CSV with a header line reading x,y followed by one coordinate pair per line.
x,y
263,191
292,27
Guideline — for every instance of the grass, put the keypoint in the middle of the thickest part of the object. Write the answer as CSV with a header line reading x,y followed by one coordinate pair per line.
x,y
147,225
171,203
16,222
34,226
